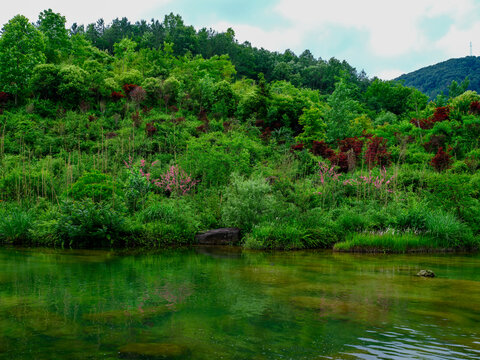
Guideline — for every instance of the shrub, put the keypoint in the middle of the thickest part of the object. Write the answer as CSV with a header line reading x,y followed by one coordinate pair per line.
x,y
175,217
88,224
442,160
15,225
377,153
94,185
247,202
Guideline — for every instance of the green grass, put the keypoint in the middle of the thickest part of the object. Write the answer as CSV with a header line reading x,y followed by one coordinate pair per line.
x,y
389,242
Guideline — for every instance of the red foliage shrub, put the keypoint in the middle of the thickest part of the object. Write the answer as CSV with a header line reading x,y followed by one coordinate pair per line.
x,y
376,153
259,123
297,147
202,115
352,143
475,108
150,129
111,135
340,160
146,110
116,95
266,133
202,128
92,118
138,95
4,97
227,125
424,124
173,108
436,142
321,148
441,113
179,120
128,88
442,160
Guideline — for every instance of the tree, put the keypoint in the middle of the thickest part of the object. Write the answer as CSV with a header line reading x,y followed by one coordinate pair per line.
x,y
57,43
343,110
21,49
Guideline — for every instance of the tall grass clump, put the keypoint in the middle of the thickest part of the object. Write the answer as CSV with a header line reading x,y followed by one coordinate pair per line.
x,y
448,231
386,242
15,225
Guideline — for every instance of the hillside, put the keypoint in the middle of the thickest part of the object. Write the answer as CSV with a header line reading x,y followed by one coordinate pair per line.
x,y
432,80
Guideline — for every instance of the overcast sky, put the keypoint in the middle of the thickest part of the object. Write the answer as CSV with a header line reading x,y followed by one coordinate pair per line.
x,y
385,38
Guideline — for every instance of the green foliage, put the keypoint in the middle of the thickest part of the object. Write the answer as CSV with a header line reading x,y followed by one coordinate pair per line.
x,y
447,230
94,185
343,108
247,201
213,157
136,189
45,81
275,236
77,115
73,86
174,220
15,225
88,224
21,49
57,43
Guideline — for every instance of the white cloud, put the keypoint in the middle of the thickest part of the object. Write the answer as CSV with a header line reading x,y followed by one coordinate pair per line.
x,y
274,40
456,43
81,12
394,27
389,74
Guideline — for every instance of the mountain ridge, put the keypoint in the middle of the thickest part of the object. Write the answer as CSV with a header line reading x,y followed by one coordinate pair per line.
x,y
435,79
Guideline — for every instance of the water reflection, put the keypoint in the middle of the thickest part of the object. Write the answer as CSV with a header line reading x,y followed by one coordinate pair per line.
x,y
213,302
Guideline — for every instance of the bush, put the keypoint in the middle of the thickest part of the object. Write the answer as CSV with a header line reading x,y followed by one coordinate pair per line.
x,y
94,185
88,224
247,202
15,225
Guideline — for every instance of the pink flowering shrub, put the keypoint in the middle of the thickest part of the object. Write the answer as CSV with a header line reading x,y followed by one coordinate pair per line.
x,y
174,181
366,185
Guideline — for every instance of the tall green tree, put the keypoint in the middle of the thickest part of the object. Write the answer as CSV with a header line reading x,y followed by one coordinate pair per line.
x,y
21,48
57,42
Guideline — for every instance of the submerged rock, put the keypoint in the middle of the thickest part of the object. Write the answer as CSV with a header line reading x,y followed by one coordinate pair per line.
x,y
225,236
426,273
152,351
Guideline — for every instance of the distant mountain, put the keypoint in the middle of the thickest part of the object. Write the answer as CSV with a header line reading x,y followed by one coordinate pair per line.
x,y
432,80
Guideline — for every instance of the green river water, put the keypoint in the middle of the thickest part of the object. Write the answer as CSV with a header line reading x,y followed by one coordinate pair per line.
x,y
225,303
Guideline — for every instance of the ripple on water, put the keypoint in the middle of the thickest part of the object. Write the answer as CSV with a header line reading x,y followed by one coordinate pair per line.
x,y
405,343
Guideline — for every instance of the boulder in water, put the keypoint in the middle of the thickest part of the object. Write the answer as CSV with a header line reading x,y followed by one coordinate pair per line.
x,y
225,236
426,273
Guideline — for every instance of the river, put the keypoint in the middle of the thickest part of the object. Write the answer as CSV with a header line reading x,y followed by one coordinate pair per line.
x,y
225,303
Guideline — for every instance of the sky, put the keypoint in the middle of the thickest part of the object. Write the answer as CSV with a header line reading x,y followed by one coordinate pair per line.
x,y
386,38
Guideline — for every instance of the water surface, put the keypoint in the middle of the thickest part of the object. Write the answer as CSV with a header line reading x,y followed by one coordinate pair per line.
x,y
222,303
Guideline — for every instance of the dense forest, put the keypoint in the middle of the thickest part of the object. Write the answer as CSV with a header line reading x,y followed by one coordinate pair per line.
x,y
450,78
146,134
